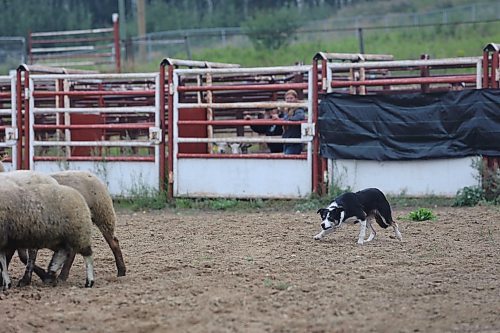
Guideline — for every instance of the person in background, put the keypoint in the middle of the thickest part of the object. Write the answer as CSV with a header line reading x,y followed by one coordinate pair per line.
x,y
457,86
269,130
292,131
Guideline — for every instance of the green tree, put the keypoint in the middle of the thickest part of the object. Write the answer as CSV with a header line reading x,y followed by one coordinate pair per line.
x,y
272,30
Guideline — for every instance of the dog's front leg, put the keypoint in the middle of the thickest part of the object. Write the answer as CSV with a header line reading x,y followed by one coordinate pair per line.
x,y
362,232
323,233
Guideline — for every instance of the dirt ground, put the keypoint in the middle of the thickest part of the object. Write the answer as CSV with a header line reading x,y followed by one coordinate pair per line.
x,y
261,271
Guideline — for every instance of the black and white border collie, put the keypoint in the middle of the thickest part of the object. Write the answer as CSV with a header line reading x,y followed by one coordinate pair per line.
x,y
357,207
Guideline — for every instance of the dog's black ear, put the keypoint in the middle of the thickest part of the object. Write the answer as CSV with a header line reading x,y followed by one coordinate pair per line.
x,y
320,210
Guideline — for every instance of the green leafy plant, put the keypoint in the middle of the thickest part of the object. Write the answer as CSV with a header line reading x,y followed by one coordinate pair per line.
x,y
469,196
422,214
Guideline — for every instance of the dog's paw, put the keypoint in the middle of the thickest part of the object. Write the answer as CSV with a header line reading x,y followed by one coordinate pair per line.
x,y
317,237
360,242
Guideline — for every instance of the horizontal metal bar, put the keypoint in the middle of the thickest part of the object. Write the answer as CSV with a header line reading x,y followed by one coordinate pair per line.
x,y
195,63
253,70
354,56
238,139
249,105
263,87
94,143
96,158
93,76
406,80
71,32
94,93
124,126
275,156
407,63
63,49
250,122
134,109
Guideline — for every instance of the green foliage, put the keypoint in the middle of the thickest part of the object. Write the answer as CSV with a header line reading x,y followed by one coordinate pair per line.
x,y
278,285
403,43
488,189
469,196
272,30
141,197
218,204
49,15
422,214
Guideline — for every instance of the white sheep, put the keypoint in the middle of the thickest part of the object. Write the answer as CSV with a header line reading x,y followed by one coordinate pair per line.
x,y
98,200
49,216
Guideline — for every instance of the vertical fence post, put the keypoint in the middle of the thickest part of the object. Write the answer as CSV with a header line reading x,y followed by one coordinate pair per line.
x,y
116,38
361,42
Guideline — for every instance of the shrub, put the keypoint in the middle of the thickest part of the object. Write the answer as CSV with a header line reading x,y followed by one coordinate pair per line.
x,y
469,196
422,214
272,30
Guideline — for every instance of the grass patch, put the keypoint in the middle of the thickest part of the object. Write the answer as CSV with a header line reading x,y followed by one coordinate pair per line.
x,y
422,214
149,200
142,198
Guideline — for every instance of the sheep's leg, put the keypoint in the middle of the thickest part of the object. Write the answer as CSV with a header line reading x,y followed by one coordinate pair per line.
x,y
24,259
117,252
28,272
89,266
55,265
67,266
6,283
10,253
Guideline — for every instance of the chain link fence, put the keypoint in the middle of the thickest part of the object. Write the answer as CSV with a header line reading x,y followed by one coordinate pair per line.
x,y
12,53
182,43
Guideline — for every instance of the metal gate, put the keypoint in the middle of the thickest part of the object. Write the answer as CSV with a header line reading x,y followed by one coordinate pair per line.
x,y
215,100
8,121
108,124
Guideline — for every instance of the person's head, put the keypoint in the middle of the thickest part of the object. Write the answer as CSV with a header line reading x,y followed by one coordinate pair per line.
x,y
291,96
457,86
274,114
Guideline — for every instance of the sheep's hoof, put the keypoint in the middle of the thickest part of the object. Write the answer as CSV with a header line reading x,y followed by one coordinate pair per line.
x,y
89,284
121,273
50,278
63,276
24,282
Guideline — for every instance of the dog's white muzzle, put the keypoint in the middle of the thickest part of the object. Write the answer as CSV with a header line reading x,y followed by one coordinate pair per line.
x,y
326,224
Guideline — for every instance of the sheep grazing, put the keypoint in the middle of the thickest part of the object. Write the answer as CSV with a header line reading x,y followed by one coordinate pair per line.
x,y
98,199
103,214
49,216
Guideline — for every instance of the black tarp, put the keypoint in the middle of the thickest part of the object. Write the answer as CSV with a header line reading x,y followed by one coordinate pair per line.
x,y
410,126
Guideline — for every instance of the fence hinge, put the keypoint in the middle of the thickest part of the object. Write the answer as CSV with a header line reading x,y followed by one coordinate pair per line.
x,y
11,134
155,135
307,130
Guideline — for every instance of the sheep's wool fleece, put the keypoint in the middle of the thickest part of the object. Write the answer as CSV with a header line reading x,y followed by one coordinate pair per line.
x,y
43,216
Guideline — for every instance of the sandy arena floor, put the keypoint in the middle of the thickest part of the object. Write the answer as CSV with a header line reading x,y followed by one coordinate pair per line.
x,y
194,271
